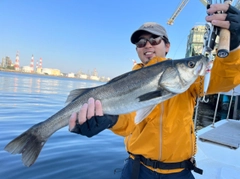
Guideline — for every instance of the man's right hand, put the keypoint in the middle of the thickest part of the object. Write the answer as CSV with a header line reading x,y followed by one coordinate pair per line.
x,y
90,120
230,20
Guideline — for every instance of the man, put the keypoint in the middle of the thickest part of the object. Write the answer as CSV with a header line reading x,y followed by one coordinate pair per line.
x,y
163,144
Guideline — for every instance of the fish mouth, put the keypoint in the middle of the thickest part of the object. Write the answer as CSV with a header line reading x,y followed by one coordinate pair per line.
x,y
205,64
200,70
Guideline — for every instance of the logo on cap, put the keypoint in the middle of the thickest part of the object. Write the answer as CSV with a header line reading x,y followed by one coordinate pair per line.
x,y
149,25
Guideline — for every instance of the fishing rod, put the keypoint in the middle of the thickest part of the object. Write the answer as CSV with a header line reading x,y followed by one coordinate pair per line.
x,y
209,44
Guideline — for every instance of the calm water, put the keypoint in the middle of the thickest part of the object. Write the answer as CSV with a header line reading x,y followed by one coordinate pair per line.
x,y
28,99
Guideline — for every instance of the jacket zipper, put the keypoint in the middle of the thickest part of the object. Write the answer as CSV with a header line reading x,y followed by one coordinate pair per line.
x,y
128,138
191,138
160,132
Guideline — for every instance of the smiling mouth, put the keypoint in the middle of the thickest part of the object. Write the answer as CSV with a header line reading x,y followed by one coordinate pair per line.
x,y
148,53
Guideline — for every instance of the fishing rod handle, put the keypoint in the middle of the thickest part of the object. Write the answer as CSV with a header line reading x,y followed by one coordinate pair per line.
x,y
224,40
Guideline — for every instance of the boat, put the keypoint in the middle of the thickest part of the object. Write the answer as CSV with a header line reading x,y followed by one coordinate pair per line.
x,y
218,151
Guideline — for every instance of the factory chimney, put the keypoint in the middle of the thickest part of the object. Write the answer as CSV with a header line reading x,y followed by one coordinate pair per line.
x,y
32,64
16,65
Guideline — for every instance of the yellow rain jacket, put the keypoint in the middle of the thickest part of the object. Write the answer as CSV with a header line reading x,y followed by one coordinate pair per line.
x,y
167,133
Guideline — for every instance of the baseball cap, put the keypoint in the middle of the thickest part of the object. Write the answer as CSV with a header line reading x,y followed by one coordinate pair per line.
x,y
150,27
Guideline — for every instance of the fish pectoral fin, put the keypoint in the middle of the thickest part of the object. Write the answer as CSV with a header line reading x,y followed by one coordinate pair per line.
x,y
143,113
74,94
150,95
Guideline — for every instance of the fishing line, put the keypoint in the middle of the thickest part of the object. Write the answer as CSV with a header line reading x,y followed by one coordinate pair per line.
x,y
179,46
181,41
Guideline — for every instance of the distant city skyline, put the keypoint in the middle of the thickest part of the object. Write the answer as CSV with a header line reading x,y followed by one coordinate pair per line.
x,y
8,65
34,64
75,35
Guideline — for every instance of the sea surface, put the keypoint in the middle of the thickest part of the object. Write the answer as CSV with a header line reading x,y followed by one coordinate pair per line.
x,y
27,99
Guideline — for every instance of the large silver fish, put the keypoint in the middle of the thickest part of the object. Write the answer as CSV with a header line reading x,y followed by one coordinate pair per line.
x,y
138,90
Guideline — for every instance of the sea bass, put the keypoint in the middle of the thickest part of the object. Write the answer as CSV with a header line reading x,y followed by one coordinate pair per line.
x,y
138,90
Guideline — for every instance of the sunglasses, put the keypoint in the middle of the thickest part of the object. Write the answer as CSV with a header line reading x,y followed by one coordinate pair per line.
x,y
153,41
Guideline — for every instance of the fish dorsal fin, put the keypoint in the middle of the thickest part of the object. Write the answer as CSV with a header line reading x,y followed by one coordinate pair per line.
x,y
75,93
143,113
121,76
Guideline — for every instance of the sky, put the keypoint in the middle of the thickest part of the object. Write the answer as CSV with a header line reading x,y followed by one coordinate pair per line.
x,y
83,35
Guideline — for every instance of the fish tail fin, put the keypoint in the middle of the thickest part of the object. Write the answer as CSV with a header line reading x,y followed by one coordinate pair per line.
x,y
28,144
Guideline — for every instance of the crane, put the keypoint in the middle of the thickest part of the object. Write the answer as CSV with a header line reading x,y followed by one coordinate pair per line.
x,y
204,2
183,4
178,10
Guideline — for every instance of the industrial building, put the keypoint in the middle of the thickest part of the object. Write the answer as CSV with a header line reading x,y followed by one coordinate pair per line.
x,y
195,41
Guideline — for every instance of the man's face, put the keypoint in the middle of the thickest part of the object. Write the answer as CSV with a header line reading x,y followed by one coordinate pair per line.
x,y
149,51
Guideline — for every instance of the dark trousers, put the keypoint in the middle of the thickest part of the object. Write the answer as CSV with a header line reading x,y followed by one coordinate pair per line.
x,y
146,173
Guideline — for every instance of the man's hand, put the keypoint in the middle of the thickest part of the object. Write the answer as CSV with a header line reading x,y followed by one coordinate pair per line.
x,y
90,120
229,19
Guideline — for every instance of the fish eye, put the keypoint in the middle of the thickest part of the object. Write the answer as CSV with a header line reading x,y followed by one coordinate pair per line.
x,y
191,64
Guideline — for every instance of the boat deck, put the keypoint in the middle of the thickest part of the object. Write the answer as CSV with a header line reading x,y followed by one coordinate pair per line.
x,y
218,150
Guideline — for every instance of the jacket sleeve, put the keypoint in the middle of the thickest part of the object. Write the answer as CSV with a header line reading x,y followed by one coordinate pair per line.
x,y
225,74
124,125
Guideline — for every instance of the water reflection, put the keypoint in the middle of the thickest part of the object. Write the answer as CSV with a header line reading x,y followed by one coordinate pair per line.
x,y
28,99
30,83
